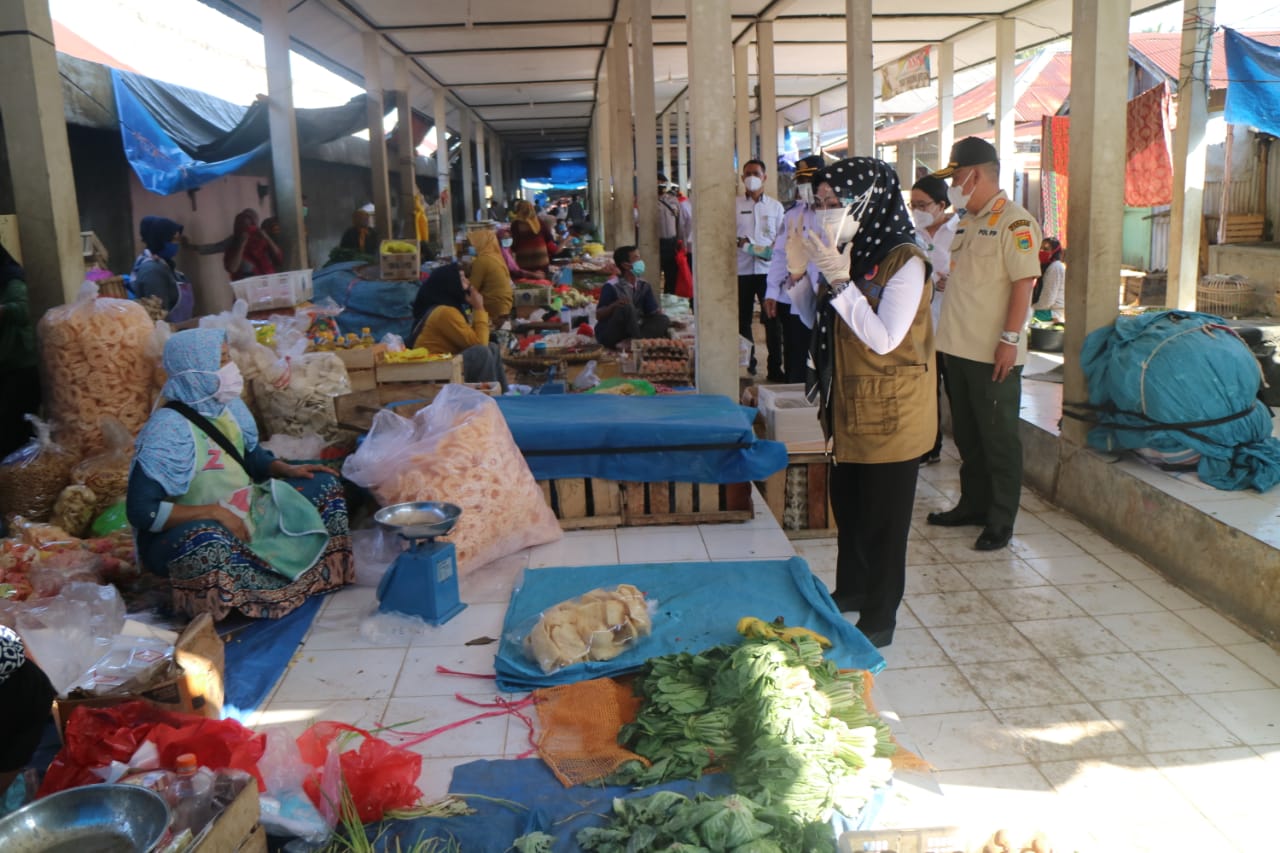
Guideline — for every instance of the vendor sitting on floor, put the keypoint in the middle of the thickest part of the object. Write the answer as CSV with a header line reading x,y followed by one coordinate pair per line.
x,y
628,309
231,526
26,698
440,324
489,275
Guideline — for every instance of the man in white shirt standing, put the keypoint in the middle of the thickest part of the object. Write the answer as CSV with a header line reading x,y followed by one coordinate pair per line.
x,y
759,217
786,275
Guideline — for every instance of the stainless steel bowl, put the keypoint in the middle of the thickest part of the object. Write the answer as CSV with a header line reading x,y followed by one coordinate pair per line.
x,y
419,519
92,819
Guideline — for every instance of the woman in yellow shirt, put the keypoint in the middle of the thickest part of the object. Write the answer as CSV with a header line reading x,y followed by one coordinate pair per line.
x,y
489,274
449,317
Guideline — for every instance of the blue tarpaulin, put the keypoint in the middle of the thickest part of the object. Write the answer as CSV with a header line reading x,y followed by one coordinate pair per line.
x,y
699,605
522,796
1253,82
1176,382
382,306
698,438
258,654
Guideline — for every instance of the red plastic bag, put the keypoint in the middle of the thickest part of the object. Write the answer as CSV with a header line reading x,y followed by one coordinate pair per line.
x,y
684,276
95,737
380,776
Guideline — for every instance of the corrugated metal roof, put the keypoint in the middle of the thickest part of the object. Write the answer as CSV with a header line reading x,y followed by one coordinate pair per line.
x,y
1165,50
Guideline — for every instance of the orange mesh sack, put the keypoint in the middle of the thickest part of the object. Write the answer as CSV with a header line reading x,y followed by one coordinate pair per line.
x,y
579,725
458,450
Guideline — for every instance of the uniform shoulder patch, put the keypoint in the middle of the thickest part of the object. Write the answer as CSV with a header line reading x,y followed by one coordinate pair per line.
x,y
1022,237
1019,223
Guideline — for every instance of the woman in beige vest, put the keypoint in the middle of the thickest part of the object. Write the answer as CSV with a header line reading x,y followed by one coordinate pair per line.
x,y
872,376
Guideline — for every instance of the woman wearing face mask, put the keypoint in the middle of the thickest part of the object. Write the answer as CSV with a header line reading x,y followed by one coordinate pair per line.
x,y
252,251
787,295
489,274
627,308
1049,297
449,316
935,230
233,527
873,358
156,274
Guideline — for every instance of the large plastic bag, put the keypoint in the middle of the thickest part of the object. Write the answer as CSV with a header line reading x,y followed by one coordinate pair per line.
x,y
378,775
32,476
373,552
458,450
597,625
69,632
98,357
107,473
286,808
305,405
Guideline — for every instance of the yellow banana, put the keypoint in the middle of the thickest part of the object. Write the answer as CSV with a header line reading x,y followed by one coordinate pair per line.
x,y
789,634
755,628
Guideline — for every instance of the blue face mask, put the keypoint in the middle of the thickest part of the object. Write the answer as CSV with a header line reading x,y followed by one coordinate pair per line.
x,y
637,268
169,251
471,250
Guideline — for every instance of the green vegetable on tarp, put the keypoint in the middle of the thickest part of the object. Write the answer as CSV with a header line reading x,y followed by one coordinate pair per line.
x,y
110,520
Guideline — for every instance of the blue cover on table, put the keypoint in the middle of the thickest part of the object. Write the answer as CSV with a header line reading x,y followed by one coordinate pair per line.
x,y
383,306
696,438
698,606
537,802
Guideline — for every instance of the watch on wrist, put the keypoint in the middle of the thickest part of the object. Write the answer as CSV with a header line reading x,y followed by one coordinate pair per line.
x,y
1010,337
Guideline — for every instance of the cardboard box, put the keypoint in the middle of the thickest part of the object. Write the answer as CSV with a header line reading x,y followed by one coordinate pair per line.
x,y
400,266
422,371
192,685
360,358
237,829
788,416
532,296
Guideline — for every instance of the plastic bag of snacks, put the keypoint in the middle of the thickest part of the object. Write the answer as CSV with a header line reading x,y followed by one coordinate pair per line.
x,y
597,625
305,405
97,357
74,510
32,476
107,473
458,450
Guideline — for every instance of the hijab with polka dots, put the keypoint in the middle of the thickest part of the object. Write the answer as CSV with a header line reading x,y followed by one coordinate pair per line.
x,y
870,187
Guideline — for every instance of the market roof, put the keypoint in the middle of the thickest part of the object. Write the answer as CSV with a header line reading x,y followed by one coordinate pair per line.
x,y
530,71
1165,50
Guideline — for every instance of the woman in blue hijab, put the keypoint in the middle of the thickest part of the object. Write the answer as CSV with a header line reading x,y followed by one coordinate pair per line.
x,y
156,274
238,530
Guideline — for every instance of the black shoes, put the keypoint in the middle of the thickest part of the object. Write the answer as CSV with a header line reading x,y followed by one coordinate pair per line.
x,y
931,459
776,377
993,538
880,638
956,518
848,603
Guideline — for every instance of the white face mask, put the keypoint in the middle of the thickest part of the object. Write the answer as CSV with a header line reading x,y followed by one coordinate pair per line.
x,y
922,218
506,242
830,221
753,183
804,194
230,383
958,197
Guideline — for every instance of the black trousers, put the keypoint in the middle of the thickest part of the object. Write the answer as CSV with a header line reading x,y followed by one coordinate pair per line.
x,y
942,383
872,507
751,290
984,423
667,259
795,343
26,698
626,323
20,391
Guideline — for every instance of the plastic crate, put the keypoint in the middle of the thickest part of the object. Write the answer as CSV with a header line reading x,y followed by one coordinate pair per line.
x,y
278,290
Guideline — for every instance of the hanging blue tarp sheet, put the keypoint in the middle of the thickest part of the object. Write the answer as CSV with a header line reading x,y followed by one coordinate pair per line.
x,y
522,796
179,139
699,605
1173,382
697,438
1253,82
382,306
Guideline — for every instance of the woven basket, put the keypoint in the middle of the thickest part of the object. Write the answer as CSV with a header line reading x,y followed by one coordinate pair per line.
x,y
555,355
1225,295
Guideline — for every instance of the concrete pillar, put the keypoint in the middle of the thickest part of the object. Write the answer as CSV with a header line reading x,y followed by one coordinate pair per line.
x,y
1100,47
622,135
468,176
602,215
682,142
768,106
497,165
377,134
815,125
405,152
715,283
906,164
741,103
646,127
860,79
445,237
482,205
286,181
946,52
666,144
35,132
1005,101
1187,216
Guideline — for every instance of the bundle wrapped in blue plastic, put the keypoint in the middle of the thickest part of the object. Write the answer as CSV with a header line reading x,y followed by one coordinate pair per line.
x,y
382,306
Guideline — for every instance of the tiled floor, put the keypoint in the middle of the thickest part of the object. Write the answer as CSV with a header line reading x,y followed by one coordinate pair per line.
x,y
1061,684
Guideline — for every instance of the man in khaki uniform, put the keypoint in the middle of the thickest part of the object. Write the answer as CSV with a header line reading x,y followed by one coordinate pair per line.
x,y
994,265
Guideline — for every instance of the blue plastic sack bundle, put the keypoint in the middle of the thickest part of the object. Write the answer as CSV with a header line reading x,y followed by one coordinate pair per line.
x,y
383,306
1178,384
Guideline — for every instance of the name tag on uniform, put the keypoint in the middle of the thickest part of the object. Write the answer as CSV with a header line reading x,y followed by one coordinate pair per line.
x,y
987,232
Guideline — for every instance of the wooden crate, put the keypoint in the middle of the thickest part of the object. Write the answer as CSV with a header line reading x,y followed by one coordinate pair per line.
x,y
356,410
807,471
1244,228
420,371
237,829
582,504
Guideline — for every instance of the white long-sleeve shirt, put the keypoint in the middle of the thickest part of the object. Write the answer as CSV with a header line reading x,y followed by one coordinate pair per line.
x,y
885,329
1053,292
779,285
938,248
759,222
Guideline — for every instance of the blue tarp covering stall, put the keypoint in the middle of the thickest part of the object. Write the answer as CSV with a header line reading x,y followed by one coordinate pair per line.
x,y
383,306
700,438
1253,82
1179,384
697,609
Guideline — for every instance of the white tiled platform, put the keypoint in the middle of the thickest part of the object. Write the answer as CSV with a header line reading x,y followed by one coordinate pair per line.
x,y
1061,683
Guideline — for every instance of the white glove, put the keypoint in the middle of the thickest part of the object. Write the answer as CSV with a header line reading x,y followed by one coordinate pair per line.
x,y
833,264
797,253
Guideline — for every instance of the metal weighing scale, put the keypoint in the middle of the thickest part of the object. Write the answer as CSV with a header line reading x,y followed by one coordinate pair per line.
x,y
423,580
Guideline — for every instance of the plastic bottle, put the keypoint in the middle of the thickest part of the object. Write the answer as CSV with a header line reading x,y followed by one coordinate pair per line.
x,y
190,796
366,337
